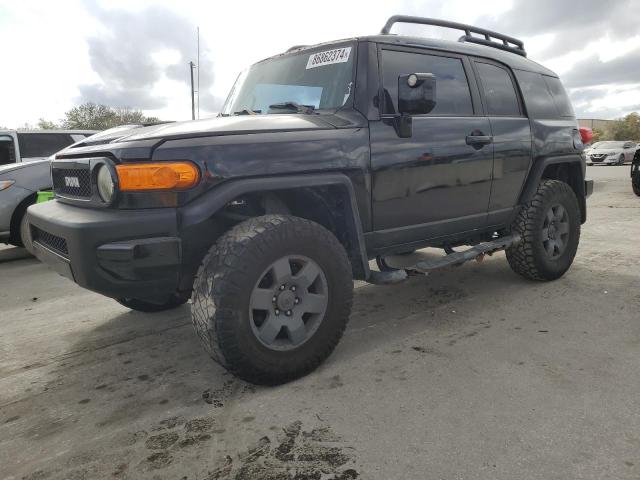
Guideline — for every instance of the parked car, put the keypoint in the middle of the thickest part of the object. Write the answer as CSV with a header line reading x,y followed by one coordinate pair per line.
x,y
610,153
24,170
635,173
18,146
323,158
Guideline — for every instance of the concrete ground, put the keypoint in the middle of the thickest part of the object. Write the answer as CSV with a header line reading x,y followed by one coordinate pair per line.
x,y
470,373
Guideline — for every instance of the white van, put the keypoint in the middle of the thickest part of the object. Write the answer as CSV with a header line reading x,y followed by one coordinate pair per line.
x,y
28,145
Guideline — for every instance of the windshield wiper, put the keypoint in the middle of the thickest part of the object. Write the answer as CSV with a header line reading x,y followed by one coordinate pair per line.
x,y
247,111
292,106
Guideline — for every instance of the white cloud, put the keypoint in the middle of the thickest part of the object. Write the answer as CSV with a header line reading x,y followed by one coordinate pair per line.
x,y
50,66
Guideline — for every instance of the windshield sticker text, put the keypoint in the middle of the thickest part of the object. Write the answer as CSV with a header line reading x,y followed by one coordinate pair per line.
x,y
329,57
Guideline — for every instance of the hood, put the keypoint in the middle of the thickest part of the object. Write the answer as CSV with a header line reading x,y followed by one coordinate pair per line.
x,y
214,126
19,166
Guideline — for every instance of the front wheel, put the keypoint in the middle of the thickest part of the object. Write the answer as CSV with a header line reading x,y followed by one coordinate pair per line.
x,y
25,234
272,298
167,303
549,227
621,160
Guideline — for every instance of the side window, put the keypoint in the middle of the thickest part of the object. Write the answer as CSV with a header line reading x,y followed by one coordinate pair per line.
x,y
452,88
42,144
537,97
560,97
7,150
499,92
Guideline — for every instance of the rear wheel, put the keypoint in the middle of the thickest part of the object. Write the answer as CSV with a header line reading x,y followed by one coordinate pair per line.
x,y
549,227
635,183
168,303
272,298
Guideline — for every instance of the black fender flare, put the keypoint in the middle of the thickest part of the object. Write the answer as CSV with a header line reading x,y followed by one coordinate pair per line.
x,y
204,207
577,182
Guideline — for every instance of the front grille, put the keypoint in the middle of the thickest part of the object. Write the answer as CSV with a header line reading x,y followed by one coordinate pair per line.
x,y
72,181
598,157
49,240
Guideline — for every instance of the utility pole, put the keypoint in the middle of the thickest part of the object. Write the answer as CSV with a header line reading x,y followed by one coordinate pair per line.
x,y
193,103
198,82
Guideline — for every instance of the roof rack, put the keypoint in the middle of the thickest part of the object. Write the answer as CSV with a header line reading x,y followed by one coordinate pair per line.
x,y
506,43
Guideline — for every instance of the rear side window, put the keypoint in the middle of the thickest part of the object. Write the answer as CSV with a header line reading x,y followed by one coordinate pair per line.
x,y
452,88
42,144
499,92
560,97
537,97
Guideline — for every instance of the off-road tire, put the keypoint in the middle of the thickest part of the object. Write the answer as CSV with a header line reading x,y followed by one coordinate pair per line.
x,y
223,286
635,184
528,257
172,301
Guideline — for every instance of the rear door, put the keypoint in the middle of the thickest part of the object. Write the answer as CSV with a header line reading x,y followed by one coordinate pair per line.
x,y
511,133
436,183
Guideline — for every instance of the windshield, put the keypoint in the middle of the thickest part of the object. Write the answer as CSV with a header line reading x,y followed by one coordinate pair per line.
x,y
603,145
320,78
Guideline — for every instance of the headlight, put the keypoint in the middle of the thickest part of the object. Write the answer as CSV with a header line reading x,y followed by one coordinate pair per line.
x,y
4,184
105,183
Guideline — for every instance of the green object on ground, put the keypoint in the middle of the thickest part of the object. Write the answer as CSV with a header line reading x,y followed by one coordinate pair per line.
x,y
44,196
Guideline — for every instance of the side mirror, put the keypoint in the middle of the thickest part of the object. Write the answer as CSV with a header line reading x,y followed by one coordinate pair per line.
x,y
416,93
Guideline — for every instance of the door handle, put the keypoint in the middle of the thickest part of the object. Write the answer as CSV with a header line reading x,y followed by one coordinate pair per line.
x,y
475,140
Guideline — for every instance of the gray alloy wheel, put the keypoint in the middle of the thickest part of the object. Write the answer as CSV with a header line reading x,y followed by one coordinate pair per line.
x,y
621,160
288,302
555,231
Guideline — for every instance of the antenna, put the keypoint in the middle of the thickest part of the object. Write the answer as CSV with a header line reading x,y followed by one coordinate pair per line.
x,y
198,81
193,107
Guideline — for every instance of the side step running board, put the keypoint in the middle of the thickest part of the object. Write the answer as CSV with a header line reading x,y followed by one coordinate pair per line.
x,y
458,258
454,258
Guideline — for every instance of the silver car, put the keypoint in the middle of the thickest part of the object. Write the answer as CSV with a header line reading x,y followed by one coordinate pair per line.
x,y
19,184
22,177
610,153
24,170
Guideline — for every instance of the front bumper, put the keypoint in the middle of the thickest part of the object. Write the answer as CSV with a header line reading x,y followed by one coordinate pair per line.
x,y
601,161
132,253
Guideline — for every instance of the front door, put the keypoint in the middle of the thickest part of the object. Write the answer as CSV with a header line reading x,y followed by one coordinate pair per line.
x,y
438,182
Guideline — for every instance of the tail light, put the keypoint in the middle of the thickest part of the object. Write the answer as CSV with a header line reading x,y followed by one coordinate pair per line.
x,y
586,134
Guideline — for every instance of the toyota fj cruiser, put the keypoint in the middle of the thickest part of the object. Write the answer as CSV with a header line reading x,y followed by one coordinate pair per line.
x,y
323,158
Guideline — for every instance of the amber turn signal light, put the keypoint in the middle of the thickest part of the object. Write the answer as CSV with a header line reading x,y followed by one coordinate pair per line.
x,y
157,176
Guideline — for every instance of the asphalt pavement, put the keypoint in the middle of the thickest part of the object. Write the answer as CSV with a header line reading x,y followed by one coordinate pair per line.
x,y
468,373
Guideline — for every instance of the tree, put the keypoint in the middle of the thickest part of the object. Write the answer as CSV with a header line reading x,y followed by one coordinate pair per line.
x,y
92,116
627,128
47,125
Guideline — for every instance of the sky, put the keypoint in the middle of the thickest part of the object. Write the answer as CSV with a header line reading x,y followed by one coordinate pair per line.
x,y
135,53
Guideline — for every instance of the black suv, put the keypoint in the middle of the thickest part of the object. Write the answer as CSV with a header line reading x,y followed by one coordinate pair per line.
x,y
323,158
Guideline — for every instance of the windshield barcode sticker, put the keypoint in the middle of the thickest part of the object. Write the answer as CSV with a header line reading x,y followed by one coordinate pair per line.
x,y
329,57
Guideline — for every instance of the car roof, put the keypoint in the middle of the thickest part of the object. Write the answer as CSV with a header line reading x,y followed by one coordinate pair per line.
x,y
88,132
464,48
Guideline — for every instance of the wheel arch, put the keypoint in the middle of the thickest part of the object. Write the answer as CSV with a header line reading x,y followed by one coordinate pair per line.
x,y
327,199
16,216
569,169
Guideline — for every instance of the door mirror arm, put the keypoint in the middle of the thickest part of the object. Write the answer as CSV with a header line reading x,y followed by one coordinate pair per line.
x,y
403,125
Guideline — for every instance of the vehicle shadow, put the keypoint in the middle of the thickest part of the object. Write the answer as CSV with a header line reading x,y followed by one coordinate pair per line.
x,y
8,254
